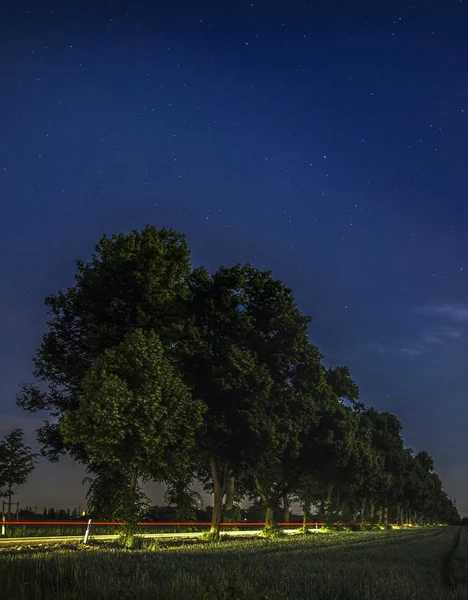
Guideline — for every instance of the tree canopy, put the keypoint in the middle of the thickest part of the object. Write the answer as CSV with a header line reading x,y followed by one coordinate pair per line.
x,y
152,370
134,413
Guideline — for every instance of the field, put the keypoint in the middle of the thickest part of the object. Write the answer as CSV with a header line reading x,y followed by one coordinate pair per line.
x,y
423,563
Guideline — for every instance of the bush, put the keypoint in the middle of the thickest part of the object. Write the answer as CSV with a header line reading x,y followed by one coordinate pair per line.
x,y
304,530
126,537
272,533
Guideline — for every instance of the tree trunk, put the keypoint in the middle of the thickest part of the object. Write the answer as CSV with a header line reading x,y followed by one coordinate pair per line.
x,y
322,508
229,503
371,512
337,500
219,474
10,493
363,510
329,501
304,517
216,514
286,507
385,515
330,494
269,518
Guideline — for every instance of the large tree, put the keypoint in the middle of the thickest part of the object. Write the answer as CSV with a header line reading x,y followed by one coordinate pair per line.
x,y
388,444
134,280
249,343
16,464
134,414
325,464
300,394
180,494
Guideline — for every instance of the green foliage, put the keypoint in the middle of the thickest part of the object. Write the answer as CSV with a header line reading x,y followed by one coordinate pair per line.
x,y
113,496
233,515
304,531
126,538
272,532
134,415
180,495
129,539
154,371
16,463
134,281
123,409
242,361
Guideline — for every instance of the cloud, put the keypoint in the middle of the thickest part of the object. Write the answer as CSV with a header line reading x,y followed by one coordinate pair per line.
x,y
439,335
412,351
378,348
458,314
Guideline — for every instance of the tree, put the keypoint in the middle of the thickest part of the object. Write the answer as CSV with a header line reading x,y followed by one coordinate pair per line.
x,y
248,348
365,466
181,495
16,464
134,415
111,495
134,281
299,392
328,447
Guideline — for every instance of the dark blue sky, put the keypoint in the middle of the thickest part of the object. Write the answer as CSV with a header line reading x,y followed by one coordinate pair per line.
x,y
326,141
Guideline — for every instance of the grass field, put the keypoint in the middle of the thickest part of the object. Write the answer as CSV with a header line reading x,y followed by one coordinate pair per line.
x,y
425,564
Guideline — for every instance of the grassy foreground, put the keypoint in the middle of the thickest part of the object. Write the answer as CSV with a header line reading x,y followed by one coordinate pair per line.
x,y
425,564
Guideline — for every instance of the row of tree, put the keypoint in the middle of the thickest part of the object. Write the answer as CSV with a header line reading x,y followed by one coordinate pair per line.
x,y
28,513
153,370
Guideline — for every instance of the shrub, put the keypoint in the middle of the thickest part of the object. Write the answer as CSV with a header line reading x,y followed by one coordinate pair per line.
x,y
272,533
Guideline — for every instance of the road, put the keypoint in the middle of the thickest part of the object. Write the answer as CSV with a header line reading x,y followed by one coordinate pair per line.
x,y
78,538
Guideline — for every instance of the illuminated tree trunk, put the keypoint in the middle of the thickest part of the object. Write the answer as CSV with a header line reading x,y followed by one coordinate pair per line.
x,y
330,494
229,503
363,510
322,508
372,510
10,493
286,507
330,500
219,474
270,506
269,518
400,515
385,515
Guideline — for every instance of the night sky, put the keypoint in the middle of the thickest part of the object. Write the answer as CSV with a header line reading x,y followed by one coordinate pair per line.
x,y
324,141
